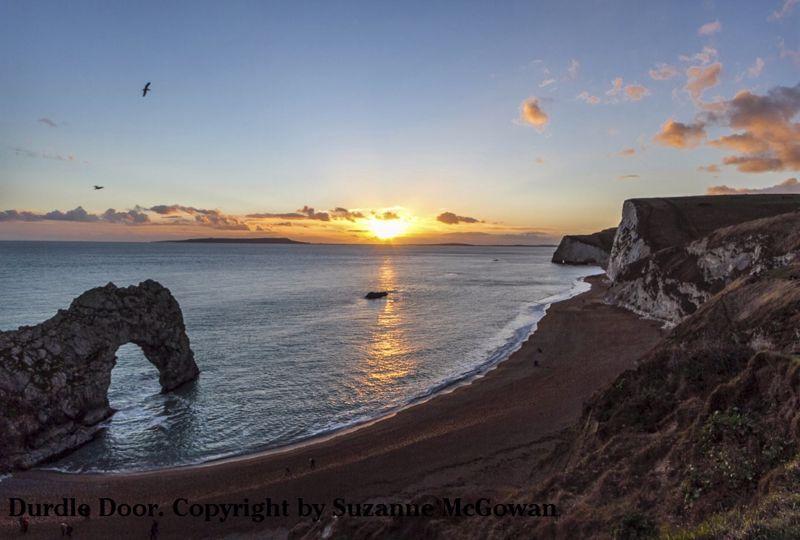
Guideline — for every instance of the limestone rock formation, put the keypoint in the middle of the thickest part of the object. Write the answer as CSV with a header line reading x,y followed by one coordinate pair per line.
x,y
673,282
54,376
592,249
650,225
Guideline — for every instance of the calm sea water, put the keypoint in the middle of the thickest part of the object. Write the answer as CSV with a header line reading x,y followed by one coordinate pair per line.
x,y
287,345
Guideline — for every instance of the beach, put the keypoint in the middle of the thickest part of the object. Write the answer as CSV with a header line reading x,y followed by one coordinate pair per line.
x,y
480,439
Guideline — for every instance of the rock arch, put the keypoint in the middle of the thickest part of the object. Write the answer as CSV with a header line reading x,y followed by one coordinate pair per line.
x,y
54,376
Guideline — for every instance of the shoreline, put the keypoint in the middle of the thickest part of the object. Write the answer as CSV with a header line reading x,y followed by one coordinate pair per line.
x,y
579,286
480,437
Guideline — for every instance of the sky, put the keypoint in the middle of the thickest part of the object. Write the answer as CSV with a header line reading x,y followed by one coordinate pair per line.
x,y
507,122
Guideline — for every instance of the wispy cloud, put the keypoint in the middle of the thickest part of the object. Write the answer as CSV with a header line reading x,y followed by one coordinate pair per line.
x,y
573,69
27,152
710,28
790,185
700,79
628,177
47,121
663,72
784,11
588,98
756,69
631,92
713,168
627,152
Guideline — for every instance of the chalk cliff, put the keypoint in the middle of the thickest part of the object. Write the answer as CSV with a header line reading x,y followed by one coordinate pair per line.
x,y
592,249
54,376
673,282
650,225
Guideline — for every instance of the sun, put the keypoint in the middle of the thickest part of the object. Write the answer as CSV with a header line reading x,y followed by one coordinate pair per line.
x,y
386,229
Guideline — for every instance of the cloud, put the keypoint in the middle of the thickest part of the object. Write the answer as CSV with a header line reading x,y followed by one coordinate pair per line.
x,y
344,213
48,122
572,70
43,155
700,79
663,72
767,139
588,98
680,135
628,177
388,215
784,11
201,216
709,168
616,87
631,92
635,92
309,212
706,56
785,52
627,152
539,160
546,82
790,185
532,113
452,219
756,69
764,137
129,217
78,214
710,28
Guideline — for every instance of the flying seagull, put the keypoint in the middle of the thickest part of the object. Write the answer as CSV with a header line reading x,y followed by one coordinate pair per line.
x,y
98,187
145,89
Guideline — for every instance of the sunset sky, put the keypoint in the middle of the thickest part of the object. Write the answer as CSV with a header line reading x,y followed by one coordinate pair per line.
x,y
510,122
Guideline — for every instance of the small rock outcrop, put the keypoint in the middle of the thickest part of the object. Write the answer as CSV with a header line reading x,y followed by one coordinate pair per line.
x,y
650,225
592,249
374,295
54,376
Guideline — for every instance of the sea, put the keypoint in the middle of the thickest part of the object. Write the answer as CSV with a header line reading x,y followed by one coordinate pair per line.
x,y
288,347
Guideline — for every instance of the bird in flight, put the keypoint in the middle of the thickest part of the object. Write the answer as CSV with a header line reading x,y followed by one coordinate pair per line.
x,y
98,187
145,89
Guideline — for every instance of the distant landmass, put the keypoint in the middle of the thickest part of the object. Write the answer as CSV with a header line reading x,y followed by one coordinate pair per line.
x,y
236,241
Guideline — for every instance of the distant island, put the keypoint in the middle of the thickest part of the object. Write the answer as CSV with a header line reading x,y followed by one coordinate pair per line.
x,y
212,240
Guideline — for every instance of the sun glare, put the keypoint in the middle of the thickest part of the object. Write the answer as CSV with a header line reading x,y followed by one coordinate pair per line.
x,y
386,229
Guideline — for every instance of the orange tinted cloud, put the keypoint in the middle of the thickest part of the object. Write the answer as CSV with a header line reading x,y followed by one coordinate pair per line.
x,y
680,135
790,185
701,78
532,113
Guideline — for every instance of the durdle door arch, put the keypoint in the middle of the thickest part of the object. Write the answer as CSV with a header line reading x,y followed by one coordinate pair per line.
x,y
54,376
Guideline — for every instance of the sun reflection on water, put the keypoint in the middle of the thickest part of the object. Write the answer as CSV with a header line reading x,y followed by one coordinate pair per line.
x,y
388,354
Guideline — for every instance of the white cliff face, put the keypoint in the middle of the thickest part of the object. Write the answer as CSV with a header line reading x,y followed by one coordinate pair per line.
x,y
628,246
672,283
573,251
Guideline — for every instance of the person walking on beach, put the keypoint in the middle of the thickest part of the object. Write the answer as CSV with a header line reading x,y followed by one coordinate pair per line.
x,y
288,472
154,530
311,464
24,523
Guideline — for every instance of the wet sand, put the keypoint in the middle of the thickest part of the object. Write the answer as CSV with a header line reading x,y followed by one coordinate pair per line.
x,y
482,438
